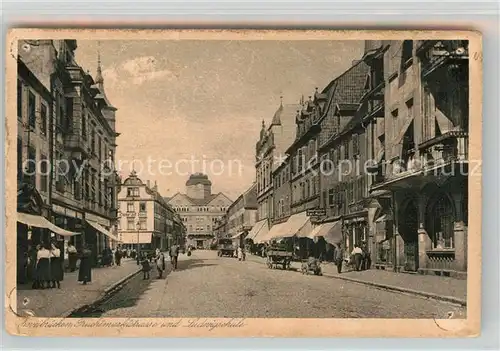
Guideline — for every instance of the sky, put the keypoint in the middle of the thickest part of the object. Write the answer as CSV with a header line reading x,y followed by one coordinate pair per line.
x,y
197,106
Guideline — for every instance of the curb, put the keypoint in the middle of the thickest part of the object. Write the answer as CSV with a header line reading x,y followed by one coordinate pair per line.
x,y
106,292
451,299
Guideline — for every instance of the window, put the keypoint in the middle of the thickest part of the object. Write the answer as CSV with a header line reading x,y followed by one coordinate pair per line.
x,y
409,106
442,223
407,51
99,146
69,113
394,122
142,207
84,125
355,144
43,119
208,227
44,174
143,224
32,164
130,207
31,110
130,224
92,141
19,99
61,111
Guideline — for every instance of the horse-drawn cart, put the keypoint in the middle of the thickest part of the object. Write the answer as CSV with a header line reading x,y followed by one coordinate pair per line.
x,y
279,257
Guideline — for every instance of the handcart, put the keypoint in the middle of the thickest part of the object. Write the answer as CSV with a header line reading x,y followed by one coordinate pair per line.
x,y
277,257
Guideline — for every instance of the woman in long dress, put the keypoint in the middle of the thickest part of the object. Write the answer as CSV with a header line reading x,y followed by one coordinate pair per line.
x,y
85,271
56,269
160,263
43,267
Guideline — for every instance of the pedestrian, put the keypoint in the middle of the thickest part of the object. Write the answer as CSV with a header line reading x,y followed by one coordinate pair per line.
x,y
357,253
56,266
367,260
160,263
72,257
146,267
338,257
43,267
174,255
85,271
240,253
118,257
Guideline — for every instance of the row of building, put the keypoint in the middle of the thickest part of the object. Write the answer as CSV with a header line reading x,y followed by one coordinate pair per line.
x,y
377,157
68,188
66,144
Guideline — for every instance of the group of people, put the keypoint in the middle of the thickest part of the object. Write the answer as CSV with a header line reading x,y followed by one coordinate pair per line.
x,y
46,266
359,258
159,260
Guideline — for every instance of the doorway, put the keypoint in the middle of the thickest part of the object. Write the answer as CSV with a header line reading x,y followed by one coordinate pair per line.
x,y
199,244
408,224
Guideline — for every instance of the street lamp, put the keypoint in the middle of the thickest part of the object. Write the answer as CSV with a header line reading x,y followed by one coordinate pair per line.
x,y
138,245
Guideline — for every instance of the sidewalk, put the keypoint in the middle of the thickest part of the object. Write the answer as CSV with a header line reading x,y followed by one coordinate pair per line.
x,y
440,288
72,295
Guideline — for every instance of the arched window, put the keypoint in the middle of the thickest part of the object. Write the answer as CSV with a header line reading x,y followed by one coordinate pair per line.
x,y
441,222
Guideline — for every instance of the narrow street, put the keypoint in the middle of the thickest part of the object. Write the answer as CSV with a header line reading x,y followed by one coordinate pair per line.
x,y
208,286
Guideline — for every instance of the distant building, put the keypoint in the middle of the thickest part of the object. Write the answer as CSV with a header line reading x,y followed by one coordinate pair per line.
x,y
199,210
242,215
145,218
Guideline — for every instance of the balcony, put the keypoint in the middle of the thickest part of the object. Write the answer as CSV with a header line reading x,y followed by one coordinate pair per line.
x,y
444,149
441,54
77,144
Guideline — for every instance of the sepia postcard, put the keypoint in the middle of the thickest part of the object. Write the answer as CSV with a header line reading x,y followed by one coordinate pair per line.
x,y
232,183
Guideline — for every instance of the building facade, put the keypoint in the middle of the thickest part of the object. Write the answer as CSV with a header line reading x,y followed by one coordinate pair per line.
x,y
342,150
81,139
145,219
425,149
242,215
270,153
199,210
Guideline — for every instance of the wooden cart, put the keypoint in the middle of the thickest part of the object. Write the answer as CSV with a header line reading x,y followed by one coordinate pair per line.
x,y
277,257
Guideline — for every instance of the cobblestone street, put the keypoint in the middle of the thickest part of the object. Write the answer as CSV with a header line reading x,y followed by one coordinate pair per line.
x,y
208,286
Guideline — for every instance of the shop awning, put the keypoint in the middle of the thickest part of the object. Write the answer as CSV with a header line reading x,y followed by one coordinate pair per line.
x,y
276,231
237,235
298,224
256,229
261,233
315,231
132,238
332,232
102,230
42,222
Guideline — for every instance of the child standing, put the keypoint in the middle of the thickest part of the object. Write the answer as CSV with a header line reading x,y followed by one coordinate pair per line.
x,y
146,267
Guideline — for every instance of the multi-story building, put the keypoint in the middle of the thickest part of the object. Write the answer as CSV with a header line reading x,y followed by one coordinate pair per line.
x,y
282,192
220,228
146,221
425,154
342,151
200,209
242,215
270,152
81,136
178,232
